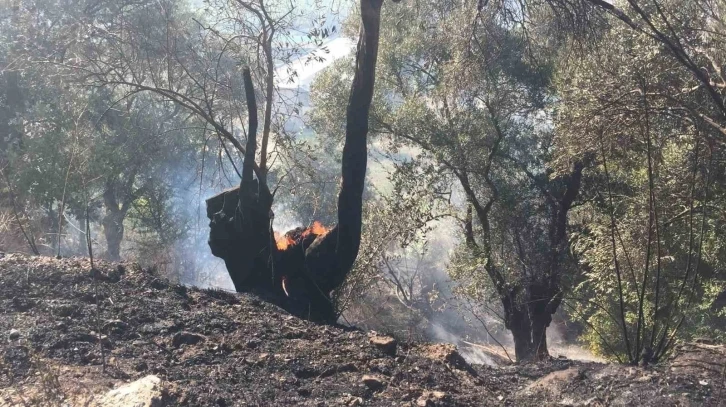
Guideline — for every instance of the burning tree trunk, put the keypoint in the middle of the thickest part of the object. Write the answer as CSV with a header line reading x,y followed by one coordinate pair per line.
x,y
298,271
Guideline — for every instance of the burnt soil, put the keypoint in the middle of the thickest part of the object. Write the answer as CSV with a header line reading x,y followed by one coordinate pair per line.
x,y
214,348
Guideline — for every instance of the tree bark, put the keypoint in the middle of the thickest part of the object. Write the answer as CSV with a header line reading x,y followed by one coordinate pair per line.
x,y
540,322
529,330
300,278
355,155
517,321
113,230
116,210
529,307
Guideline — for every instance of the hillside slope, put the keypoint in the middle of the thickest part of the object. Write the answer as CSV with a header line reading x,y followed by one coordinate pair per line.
x,y
217,348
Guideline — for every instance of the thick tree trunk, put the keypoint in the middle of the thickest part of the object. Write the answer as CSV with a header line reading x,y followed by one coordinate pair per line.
x,y
528,320
113,220
539,322
113,230
355,156
519,325
530,339
301,277
528,311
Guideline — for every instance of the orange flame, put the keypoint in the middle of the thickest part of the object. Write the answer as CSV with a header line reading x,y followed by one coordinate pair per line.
x,y
285,241
317,229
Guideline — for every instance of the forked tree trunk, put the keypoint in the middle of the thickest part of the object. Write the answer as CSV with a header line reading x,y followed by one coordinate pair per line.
x,y
300,278
529,305
528,326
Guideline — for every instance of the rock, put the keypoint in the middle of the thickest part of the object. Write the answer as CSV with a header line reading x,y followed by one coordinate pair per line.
x,y
186,338
373,382
65,310
554,383
351,400
438,395
384,343
446,353
431,398
156,328
14,334
145,392
115,326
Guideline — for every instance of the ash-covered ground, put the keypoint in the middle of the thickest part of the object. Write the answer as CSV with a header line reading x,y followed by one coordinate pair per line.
x,y
60,321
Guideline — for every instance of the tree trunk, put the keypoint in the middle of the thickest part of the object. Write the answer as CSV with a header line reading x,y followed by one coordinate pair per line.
x,y
540,322
113,221
529,329
300,277
113,230
521,330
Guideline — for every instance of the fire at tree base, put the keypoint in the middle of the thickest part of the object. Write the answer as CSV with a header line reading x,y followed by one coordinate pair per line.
x,y
300,274
296,271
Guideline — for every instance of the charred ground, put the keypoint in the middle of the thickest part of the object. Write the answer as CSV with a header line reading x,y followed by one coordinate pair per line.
x,y
218,348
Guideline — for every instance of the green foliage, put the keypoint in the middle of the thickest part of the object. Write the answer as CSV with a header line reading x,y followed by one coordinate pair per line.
x,y
474,103
84,146
467,106
654,213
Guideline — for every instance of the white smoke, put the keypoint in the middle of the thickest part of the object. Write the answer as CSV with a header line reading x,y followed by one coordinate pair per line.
x,y
471,354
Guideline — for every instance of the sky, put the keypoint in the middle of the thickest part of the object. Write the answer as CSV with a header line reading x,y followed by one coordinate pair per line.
x,y
335,12
307,69
333,48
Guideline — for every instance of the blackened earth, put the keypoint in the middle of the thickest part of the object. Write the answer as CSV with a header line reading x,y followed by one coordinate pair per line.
x,y
68,335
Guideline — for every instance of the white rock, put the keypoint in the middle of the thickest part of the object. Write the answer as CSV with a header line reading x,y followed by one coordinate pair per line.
x,y
145,392
14,334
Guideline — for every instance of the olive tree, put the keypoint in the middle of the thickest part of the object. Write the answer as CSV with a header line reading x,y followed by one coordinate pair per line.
x,y
473,107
